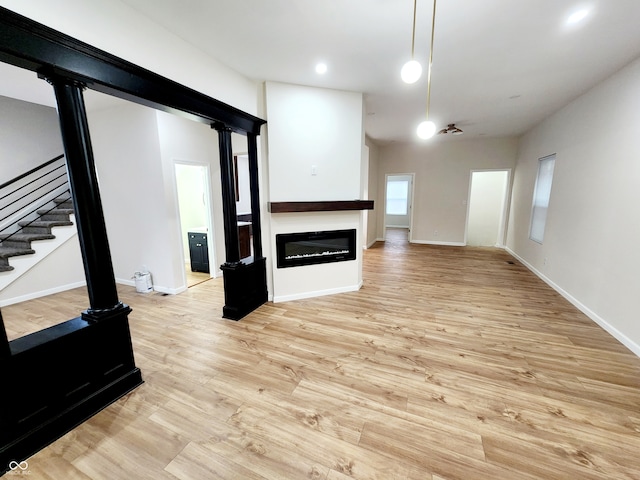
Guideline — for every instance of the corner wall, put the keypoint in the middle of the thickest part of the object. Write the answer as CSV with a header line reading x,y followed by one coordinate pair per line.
x,y
590,250
29,136
315,141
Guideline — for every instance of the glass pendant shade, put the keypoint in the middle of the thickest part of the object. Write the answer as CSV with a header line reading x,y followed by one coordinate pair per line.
x,y
426,129
411,71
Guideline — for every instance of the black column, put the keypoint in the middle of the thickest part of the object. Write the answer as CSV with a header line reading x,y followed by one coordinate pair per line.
x,y
254,184
92,232
231,238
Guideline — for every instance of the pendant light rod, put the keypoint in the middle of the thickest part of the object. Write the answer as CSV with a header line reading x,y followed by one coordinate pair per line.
x,y
411,71
433,31
413,32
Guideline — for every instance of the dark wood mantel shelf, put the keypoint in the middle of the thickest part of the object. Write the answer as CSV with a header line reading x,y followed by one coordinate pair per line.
x,y
327,206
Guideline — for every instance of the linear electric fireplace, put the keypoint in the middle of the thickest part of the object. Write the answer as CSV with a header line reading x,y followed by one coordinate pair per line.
x,y
309,248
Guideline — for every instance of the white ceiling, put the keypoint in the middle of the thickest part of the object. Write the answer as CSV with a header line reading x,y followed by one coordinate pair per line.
x,y
499,66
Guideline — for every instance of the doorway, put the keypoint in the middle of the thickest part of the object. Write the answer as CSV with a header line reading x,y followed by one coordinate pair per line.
x,y
487,208
398,205
192,186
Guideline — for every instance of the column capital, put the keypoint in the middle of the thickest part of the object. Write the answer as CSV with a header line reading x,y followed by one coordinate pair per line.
x,y
54,78
221,127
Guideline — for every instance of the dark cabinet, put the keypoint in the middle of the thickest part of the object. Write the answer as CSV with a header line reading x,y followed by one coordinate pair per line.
x,y
198,252
244,237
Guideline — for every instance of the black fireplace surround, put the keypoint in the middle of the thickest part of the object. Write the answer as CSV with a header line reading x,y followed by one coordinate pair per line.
x,y
309,248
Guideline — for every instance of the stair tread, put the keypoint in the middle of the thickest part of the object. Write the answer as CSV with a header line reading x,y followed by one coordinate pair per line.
x,y
6,252
45,223
56,211
26,237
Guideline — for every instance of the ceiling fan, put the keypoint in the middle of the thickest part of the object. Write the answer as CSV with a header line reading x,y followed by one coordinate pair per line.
x,y
452,129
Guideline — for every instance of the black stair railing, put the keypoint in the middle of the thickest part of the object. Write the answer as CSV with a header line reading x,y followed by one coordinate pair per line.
x,y
24,195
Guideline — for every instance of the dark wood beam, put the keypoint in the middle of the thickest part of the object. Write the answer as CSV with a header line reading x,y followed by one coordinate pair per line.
x,y
322,206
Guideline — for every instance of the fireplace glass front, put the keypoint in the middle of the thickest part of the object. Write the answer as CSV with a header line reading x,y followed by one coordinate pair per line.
x,y
308,248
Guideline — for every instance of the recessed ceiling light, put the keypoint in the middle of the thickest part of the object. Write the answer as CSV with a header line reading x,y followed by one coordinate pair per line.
x,y
577,16
321,68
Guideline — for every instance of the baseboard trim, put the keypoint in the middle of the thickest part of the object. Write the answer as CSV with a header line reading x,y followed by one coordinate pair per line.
x,y
156,288
617,334
446,244
316,293
41,293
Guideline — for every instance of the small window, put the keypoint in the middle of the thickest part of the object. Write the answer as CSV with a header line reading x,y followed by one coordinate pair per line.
x,y
541,195
397,197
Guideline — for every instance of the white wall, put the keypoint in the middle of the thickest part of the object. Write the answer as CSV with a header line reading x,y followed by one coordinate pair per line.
x,y
313,127
590,250
486,208
322,128
188,141
60,270
442,170
29,136
136,150
132,186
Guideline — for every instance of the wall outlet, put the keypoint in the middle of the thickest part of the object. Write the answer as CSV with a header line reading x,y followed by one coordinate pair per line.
x,y
314,170
544,261
435,233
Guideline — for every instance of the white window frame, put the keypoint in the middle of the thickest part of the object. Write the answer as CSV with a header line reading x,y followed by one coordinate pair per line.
x,y
541,198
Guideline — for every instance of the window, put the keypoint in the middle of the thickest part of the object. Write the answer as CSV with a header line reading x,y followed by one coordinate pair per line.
x,y
397,193
541,195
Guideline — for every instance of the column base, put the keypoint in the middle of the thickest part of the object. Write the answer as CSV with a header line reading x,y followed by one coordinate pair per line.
x,y
58,378
245,287
93,315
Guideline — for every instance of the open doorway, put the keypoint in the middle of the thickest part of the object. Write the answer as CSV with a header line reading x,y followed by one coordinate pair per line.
x,y
487,208
192,186
398,206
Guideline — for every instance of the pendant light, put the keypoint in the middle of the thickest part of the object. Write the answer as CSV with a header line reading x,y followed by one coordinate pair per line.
x,y
427,128
412,70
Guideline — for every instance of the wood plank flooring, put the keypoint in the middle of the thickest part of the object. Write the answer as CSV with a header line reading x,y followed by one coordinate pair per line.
x,y
450,363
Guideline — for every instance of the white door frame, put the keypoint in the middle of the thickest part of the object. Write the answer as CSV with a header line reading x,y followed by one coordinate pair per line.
x,y
410,206
502,231
208,211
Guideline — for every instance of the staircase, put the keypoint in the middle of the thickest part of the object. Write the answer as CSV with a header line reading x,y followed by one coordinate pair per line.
x,y
31,205
19,243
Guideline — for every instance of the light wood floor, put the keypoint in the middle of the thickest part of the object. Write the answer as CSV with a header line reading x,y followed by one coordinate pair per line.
x,y
450,363
194,278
